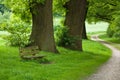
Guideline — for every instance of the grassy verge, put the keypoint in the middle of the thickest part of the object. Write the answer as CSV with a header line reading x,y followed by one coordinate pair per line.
x,y
95,33
68,65
114,41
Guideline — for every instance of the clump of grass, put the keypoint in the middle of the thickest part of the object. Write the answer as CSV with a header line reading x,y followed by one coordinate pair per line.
x,y
114,40
68,65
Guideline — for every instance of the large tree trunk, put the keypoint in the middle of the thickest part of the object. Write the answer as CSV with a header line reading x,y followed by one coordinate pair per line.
x,y
74,21
42,26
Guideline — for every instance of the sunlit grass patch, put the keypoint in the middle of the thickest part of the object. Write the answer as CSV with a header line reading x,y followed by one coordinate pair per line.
x,y
68,65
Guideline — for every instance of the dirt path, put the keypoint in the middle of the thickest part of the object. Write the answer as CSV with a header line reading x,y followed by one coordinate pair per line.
x,y
111,69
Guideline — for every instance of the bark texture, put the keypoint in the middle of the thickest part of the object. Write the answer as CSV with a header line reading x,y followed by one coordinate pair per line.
x,y
84,33
42,26
75,18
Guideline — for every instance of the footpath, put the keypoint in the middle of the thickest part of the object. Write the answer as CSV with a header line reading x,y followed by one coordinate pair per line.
x,y
111,69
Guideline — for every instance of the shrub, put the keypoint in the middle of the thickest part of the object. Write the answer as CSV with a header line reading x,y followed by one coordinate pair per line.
x,y
117,34
18,39
110,31
19,32
62,37
4,19
114,28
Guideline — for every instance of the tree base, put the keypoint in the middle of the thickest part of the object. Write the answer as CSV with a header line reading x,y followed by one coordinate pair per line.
x,y
32,57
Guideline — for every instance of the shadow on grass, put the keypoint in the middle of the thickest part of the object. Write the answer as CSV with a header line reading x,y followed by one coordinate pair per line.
x,y
39,61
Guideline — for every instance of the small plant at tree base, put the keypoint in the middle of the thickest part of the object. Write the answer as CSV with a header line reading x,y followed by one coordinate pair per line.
x,y
63,38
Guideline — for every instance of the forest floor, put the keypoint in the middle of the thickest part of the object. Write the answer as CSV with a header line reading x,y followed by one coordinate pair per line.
x,y
111,69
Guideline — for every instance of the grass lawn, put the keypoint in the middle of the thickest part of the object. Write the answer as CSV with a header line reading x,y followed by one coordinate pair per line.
x,y
68,65
114,41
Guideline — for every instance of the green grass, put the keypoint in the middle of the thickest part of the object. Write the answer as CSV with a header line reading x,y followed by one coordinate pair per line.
x,y
114,41
2,41
68,65
89,34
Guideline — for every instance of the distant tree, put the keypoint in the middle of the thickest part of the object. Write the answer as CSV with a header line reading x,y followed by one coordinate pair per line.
x,y
105,10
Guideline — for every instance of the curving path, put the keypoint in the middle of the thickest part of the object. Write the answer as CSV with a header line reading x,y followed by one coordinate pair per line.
x,y
111,69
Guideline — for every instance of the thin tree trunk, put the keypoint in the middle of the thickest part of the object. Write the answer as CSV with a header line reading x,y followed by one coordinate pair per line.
x,y
42,26
84,33
74,20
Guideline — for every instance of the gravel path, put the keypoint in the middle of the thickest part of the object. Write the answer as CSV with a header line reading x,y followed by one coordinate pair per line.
x,y
111,69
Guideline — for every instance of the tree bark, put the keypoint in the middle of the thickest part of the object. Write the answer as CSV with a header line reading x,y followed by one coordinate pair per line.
x,y
75,15
42,26
84,33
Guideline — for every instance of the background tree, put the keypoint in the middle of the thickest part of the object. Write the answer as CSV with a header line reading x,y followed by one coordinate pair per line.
x,y
108,11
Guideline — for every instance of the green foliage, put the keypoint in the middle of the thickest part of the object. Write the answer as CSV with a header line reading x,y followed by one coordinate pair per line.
x,y
37,1
103,10
110,31
21,8
117,34
40,1
113,41
19,32
106,10
4,19
58,7
62,37
100,11
1,1
114,28
18,39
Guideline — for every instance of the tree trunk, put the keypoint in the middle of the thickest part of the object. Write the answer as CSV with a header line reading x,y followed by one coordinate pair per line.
x,y
84,33
42,26
74,20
